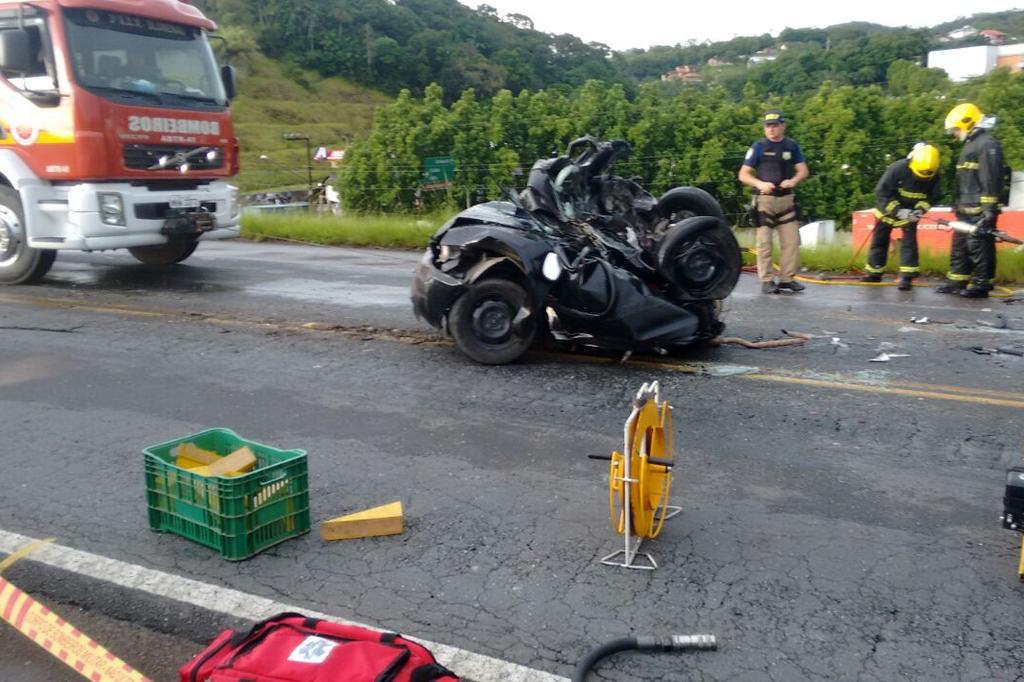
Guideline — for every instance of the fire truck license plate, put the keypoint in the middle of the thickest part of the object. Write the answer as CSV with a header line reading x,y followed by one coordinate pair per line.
x,y
184,202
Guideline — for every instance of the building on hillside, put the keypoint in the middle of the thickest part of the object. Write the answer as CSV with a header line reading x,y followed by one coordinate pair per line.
x,y
685,74
993,36
962,32
971,62
715,61
768,54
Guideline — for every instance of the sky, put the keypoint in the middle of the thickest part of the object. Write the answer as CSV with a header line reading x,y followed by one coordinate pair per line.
x,y
643,23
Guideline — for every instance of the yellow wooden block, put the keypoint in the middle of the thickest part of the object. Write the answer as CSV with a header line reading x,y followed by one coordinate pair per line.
x,y
386,519
240,460
188,451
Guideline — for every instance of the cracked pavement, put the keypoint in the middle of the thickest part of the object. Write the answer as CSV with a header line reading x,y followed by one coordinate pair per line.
x,y
826,533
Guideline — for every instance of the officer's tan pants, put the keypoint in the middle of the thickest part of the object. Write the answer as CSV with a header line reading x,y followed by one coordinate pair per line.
x,y
789,239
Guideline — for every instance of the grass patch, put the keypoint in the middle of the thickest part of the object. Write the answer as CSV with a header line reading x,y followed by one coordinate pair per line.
x,y
275,99
398,231
839,258
386,231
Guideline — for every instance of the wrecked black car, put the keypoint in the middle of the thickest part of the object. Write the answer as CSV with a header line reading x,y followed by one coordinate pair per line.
x,y
581,255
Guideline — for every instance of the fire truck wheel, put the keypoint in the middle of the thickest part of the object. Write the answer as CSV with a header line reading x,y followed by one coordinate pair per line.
x,y
165,254
19,264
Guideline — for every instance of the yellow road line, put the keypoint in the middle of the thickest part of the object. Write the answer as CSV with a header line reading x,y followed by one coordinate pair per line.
x,y
23,552
979,399
918,390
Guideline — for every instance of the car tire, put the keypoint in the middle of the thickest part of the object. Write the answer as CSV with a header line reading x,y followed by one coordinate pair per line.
x,y
19,263
684,202
701,257
483,322
170,253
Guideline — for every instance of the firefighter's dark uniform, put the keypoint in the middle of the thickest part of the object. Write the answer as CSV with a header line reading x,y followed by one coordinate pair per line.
x,y
979,183
899,188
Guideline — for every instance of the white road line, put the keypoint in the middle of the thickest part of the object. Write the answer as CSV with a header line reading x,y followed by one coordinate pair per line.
x,y
469,665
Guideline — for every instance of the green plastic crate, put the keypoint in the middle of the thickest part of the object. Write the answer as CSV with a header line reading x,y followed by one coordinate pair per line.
x,y
237,516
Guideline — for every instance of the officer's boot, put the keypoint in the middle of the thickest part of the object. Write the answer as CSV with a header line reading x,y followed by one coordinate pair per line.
x,y
871,277
906,283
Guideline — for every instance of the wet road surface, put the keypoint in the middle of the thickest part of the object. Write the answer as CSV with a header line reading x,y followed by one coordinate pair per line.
x,y
840,516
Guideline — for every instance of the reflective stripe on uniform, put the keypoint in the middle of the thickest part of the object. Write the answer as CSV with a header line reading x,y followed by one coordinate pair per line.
x,y
969,210
968,165
923,205
912,195
874,270
909,269
892,206
989,200
957,277
895,222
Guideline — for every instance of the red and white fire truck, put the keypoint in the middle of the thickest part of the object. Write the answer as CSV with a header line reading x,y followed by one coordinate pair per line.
x,y
115,132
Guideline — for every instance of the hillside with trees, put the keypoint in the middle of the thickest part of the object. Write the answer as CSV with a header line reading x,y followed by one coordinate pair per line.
x,y
391,45
495,94
849,134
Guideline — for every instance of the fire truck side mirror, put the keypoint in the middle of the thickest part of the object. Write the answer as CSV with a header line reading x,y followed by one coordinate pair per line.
x,y
227,76
14,57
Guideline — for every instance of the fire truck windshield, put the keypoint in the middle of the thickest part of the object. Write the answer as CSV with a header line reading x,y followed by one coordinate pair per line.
x,y
130,58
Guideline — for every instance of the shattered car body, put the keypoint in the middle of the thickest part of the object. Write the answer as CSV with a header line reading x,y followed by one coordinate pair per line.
x,y
587,257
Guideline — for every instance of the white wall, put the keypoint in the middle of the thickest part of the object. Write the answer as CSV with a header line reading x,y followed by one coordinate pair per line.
x,y
965,62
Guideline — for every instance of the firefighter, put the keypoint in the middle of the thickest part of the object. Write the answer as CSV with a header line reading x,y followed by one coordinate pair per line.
x,y
979,183
774,166
906,191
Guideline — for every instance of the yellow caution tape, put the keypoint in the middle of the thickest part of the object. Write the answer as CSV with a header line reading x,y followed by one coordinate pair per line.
x,y
61,639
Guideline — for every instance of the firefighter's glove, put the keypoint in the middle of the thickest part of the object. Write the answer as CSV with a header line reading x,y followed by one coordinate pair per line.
x,y
987,222
915,215
904,214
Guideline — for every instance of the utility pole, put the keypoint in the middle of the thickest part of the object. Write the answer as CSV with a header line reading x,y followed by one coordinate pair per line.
x,y
309,165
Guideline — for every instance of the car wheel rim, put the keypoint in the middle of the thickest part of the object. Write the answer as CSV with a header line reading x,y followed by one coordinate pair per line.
x,y
10,236
492,321
698,266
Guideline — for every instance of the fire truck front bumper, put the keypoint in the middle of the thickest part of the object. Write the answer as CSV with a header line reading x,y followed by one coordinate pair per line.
x,y
116,215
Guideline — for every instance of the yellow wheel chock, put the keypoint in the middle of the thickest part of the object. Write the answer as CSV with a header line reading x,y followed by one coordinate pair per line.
x,y
1020,566
639,478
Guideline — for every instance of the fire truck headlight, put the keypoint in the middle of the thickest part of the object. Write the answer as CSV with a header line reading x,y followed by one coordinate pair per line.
x,y
111,208
234,201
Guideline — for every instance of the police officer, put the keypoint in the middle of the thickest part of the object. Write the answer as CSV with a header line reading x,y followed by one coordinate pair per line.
x,y
979,183
906,191
774,166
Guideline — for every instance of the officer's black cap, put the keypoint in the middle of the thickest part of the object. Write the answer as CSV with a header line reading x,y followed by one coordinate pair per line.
x,y
774,116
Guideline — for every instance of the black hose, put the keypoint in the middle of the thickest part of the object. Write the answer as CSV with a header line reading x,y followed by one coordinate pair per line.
x,y
595,655
671,643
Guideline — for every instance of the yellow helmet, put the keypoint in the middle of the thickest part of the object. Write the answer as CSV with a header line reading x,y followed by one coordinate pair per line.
x,y
924,161
963,117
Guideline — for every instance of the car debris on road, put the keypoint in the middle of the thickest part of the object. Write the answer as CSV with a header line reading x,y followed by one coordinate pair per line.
x,y
584,256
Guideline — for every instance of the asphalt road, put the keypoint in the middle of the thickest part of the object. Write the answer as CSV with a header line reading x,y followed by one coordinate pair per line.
x,y
840,516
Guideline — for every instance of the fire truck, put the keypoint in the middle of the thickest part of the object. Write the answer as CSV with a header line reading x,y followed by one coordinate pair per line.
x,y
115,132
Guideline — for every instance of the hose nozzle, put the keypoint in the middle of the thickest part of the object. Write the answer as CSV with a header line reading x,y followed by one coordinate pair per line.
x,y
695,642
678,643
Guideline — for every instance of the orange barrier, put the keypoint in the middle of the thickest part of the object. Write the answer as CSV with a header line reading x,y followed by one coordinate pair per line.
x,y
931,236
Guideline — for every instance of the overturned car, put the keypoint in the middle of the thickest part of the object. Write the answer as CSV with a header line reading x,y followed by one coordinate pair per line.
x,y
581,255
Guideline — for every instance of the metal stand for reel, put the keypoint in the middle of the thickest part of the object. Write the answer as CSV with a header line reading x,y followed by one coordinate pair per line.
x,y
648,427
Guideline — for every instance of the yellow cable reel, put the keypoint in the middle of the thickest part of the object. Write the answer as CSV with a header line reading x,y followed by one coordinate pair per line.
x,y
648,438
